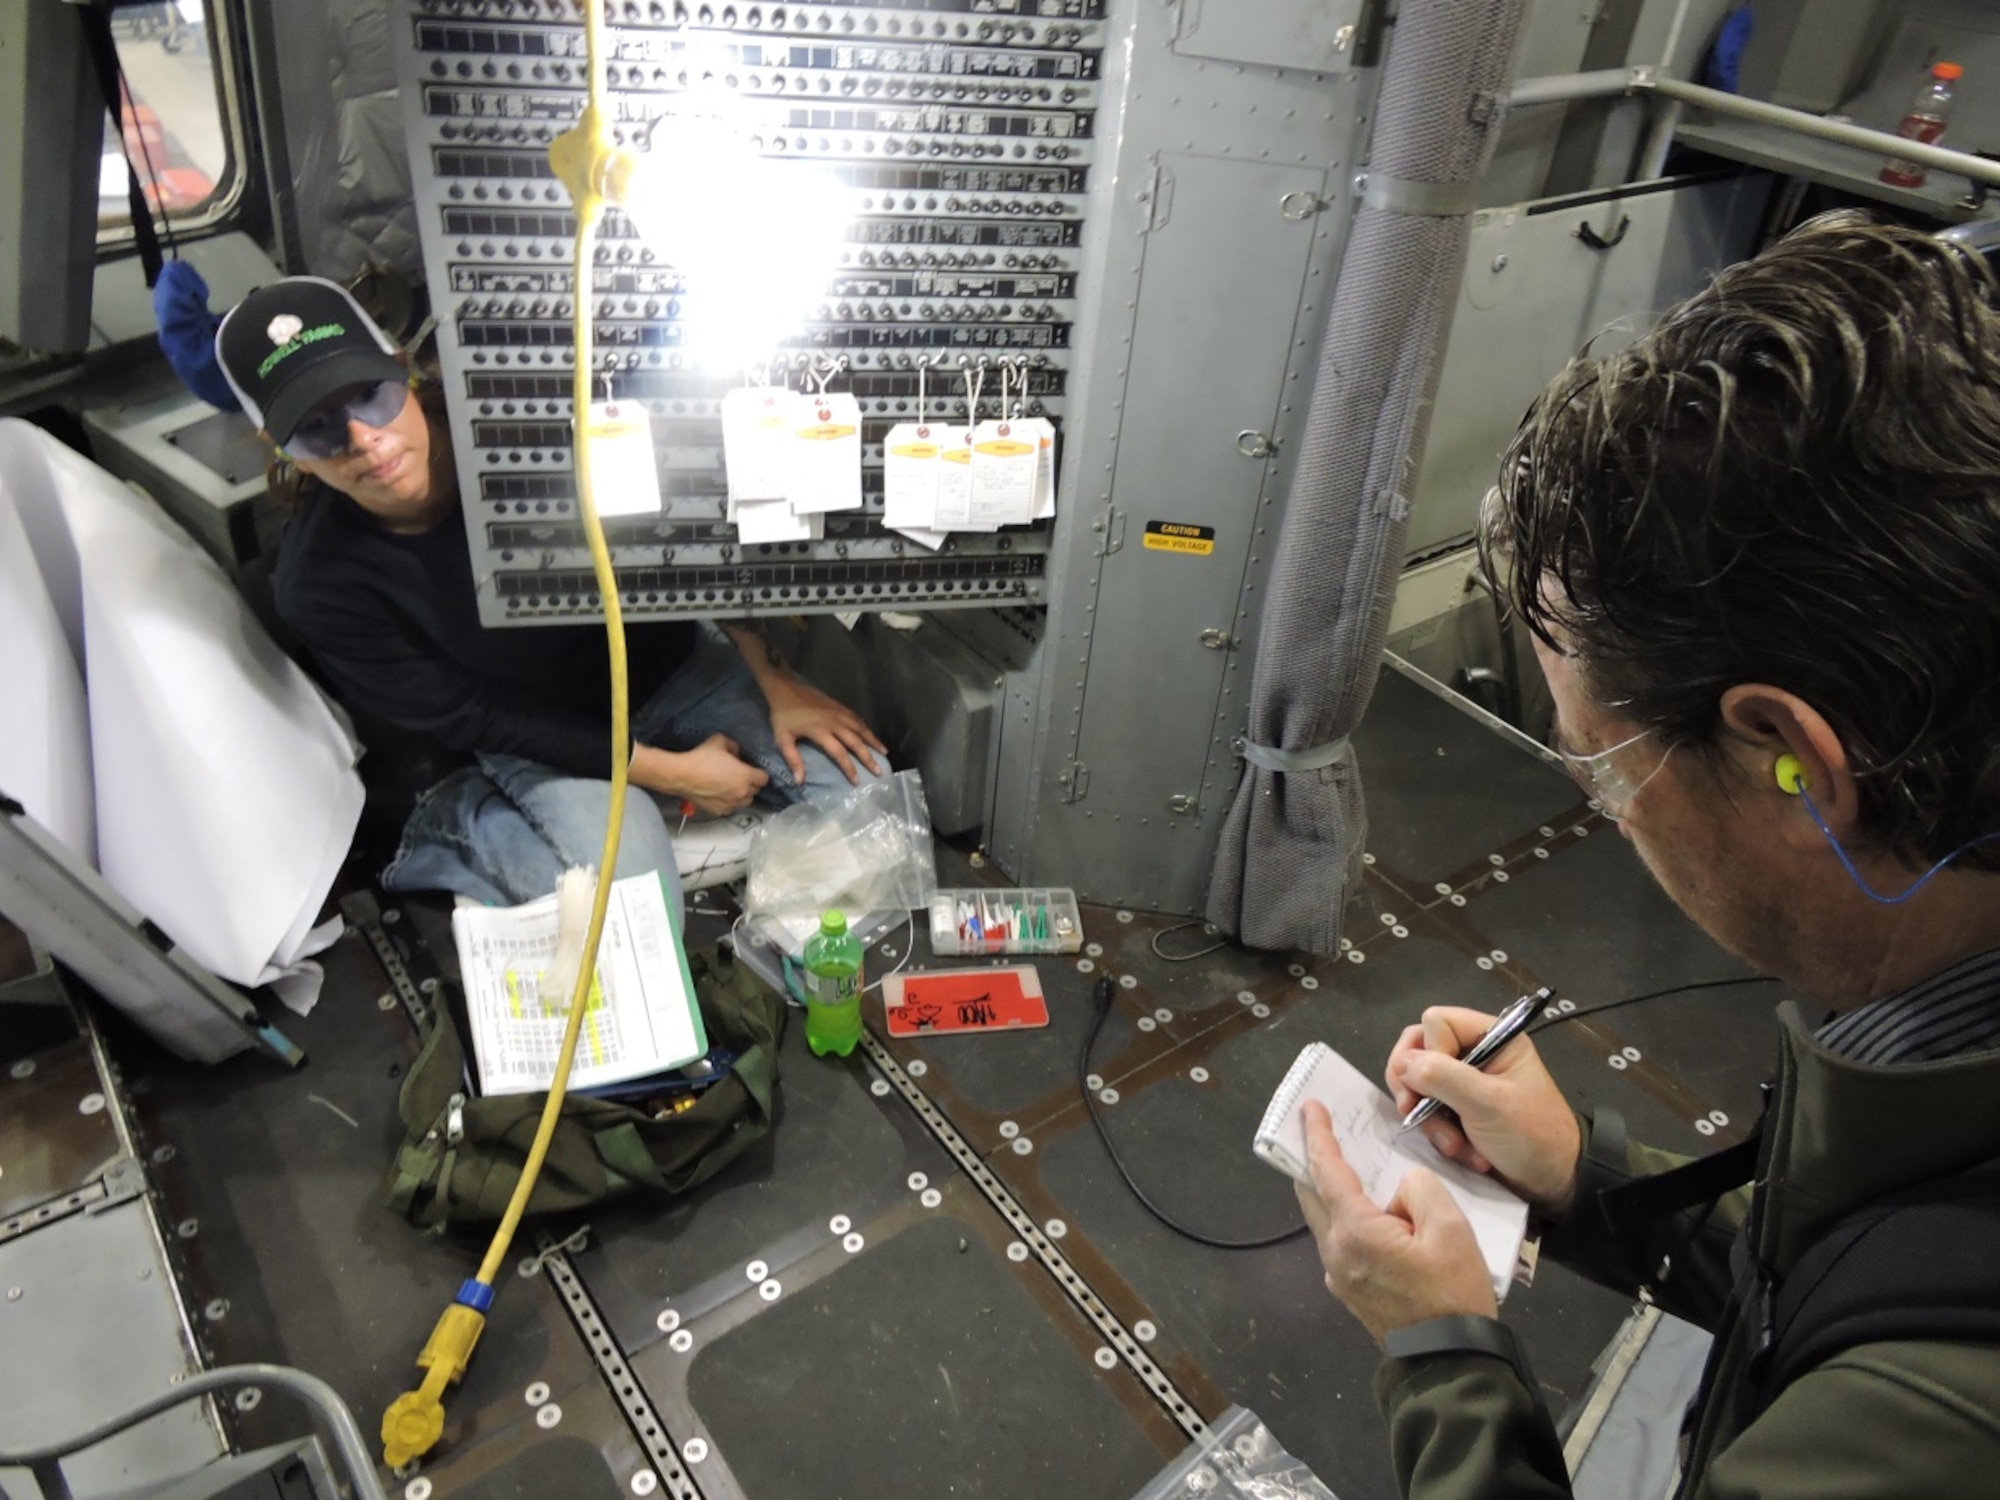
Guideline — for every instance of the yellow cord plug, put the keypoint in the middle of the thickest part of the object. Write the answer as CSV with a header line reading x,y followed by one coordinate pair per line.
x,y
415,1420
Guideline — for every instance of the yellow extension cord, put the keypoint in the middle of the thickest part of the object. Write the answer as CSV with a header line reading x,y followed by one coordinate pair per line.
x,y
582,157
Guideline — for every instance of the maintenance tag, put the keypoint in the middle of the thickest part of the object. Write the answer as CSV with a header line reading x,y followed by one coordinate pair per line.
x,y
1173,536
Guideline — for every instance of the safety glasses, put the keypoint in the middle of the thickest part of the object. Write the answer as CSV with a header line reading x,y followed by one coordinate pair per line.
x,y
1609,785
325,434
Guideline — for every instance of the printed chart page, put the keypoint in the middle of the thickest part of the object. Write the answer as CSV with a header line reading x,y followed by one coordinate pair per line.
x,y
641,1015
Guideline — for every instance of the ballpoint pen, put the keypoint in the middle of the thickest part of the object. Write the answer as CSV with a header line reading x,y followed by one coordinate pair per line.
x,y
1512,1022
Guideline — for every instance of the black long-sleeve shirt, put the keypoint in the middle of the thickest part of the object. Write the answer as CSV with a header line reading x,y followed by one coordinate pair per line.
x,y
392,625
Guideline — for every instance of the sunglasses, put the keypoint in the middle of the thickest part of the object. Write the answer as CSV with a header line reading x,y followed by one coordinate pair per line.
x,y
325,433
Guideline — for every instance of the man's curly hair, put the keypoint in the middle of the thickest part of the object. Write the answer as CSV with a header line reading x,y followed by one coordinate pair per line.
x,y
1793,479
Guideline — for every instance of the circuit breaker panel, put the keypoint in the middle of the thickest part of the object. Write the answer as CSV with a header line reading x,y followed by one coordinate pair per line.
x,y
962,135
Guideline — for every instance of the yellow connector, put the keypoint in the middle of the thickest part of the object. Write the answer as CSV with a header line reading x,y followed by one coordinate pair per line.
x,y
415,1420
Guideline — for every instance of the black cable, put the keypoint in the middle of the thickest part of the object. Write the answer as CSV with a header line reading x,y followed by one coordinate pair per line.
x,y
1182,958
1101,1000
1680,989
1101,996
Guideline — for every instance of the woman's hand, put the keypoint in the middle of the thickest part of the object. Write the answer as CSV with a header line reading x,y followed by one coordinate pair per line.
x,y
800,711
713,775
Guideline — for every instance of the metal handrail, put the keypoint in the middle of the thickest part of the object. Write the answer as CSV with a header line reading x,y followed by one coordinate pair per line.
x,y
45,1462
1608,82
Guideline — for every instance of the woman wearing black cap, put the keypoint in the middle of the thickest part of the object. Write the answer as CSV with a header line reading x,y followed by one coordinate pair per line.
x,y
375,576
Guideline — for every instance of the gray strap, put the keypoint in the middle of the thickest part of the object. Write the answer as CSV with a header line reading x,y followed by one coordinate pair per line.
x,y
1312,758
1430,200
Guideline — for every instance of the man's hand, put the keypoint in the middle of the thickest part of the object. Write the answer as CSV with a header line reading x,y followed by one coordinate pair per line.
x,y
1512,1119
712,775
1413,1261
800,711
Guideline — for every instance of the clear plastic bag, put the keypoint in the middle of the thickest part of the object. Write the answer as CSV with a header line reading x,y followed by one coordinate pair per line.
x,y
1241,1461
865,851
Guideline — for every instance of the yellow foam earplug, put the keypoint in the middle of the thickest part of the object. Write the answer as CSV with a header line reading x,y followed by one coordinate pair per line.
x,y
1791,774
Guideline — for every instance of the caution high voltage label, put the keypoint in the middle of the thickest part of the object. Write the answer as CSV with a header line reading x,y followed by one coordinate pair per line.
x,y
1174,536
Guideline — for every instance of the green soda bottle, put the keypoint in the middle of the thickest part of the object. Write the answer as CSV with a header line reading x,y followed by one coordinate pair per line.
x,y
833,987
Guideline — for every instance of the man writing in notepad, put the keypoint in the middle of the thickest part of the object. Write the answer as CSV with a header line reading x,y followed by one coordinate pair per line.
x,y
1760,554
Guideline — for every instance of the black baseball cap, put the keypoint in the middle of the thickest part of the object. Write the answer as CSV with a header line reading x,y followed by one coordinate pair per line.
x,y
289,346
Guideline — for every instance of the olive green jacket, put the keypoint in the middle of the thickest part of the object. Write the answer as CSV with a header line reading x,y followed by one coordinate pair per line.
x,y
1890,1419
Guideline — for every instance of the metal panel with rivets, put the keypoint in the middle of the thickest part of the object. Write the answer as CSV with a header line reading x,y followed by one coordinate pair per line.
x,y
1223,200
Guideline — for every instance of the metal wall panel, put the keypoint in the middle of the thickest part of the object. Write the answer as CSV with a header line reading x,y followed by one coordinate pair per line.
x,y
1535,294
1278,36
1157,672
1181,345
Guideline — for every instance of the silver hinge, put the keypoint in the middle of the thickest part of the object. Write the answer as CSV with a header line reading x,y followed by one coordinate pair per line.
x,y
1157,198
1074,780
1217,640
1111,528
1181,803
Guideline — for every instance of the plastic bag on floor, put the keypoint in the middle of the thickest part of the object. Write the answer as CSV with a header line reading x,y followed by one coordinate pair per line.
x,y
1241,1461
866,850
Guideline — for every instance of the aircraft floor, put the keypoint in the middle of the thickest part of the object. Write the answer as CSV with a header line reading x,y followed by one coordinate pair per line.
x,y
1010,1323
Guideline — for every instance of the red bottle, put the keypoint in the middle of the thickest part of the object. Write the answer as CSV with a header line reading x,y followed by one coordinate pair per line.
x,y
1924,123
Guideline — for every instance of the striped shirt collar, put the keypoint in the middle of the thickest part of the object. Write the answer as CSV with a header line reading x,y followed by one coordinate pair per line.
x,y
1955,1012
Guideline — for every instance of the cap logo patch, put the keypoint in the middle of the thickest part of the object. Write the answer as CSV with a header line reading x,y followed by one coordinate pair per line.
x,y
296,341
283,327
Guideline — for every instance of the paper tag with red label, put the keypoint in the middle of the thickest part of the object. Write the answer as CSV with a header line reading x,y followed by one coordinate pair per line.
x,y
911,457
756,427
1042,432
949,1000
954,493
824,468
1004,461
624,472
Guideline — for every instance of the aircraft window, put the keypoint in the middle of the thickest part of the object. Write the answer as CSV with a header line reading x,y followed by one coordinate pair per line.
x,y
178,125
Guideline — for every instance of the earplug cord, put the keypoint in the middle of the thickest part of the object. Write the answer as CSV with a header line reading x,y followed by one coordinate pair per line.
x,y
1101,1003
1855,875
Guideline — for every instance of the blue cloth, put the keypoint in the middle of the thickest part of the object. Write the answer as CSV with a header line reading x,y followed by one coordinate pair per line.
x,y
502,831
187,333
1725,55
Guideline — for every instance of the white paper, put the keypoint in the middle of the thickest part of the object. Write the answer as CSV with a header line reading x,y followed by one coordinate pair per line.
x,y
954,496
910,463
641,1018
624,471
925,538
772,521
1003,477
824,467
756,424
1368,1128
224,782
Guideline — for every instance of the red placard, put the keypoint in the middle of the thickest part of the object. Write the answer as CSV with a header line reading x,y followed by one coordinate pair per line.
x,y
956,1000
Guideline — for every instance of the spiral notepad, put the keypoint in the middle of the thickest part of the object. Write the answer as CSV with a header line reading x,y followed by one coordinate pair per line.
x,y
1367,1126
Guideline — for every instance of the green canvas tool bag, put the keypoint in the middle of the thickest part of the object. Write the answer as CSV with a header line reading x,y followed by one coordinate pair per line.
x,y
462,1157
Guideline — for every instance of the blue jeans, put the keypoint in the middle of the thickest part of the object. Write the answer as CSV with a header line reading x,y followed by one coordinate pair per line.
x,y
502,831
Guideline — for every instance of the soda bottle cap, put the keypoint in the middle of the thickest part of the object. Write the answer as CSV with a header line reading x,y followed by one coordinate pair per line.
x,y
833,922
1947,70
